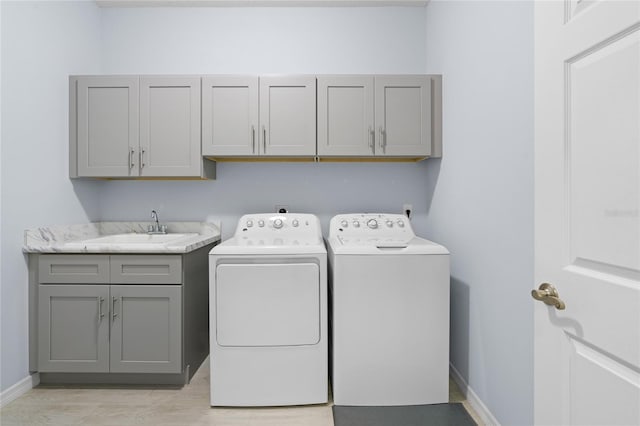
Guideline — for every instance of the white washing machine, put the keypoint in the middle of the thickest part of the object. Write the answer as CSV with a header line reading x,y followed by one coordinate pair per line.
x,y
389,313
268,313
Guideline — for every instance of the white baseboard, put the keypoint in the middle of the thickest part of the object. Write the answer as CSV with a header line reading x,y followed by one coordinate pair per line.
x,y
473,399
19,389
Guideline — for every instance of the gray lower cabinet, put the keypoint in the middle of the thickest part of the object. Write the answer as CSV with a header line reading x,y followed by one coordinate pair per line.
x,y
73,328
146,331
122,313
118,328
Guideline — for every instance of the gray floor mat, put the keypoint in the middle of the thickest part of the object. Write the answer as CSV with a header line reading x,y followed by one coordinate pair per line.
x,y
453,414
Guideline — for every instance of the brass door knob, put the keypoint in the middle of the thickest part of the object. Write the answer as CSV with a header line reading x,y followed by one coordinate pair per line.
x,y
549,295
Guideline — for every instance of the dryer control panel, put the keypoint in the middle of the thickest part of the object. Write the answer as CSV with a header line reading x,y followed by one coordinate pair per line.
x,y
301,227
378,229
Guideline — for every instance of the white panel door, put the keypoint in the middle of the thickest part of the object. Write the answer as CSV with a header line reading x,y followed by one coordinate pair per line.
x,y
587,193
107,126
229,115
288,116
170,126
403,115
267,304
345,115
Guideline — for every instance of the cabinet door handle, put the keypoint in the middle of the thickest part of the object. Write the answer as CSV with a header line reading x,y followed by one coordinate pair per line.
x,y
383,138
142,151
100,313
372,135
114,314
253,139
264,140
131,156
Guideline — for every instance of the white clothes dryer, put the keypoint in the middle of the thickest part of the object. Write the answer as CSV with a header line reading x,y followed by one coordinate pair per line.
x,y
389,313
268,313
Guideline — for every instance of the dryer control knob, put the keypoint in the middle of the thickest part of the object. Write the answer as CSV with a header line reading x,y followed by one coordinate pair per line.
x,y
372,223
249,223
356,224
344,223
389,223
295,223
261,223
400,223
277,223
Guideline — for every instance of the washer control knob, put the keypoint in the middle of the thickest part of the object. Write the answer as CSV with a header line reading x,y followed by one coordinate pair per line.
x,y
277,223
400,223
344,223
389,223
295,223
249,223
261,223
356,224
372,223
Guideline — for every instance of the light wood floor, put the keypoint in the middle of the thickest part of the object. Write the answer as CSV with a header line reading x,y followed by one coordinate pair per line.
x,y
189,405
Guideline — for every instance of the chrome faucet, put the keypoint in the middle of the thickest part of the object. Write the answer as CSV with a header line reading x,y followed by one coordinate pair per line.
x,y
157,228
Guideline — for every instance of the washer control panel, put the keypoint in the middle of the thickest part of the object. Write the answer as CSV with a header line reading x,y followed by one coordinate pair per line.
x,y
380,229
279,227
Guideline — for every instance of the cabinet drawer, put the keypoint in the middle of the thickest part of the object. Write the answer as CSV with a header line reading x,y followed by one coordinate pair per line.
x,y
143,269
73,269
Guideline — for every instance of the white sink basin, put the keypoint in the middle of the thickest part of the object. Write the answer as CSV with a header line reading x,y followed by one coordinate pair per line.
x,y
126,239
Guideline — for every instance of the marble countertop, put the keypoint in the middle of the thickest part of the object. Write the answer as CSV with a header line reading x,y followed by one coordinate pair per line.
x,y
69,238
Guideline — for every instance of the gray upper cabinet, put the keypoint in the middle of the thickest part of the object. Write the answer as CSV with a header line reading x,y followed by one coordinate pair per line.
x,y
107,126
132,126
375,116
288,116
170,126
229,115
250,116
403,115
345,115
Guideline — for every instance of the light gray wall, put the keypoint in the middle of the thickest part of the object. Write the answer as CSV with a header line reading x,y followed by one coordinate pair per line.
x,y
477,200
482,201
261,41
42,43
264,40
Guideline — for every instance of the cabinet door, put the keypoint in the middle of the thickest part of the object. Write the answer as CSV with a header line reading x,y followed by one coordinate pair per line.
x,y
229,115
73,328
345,115
403,115
107,126
288,115
146,329
170,126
